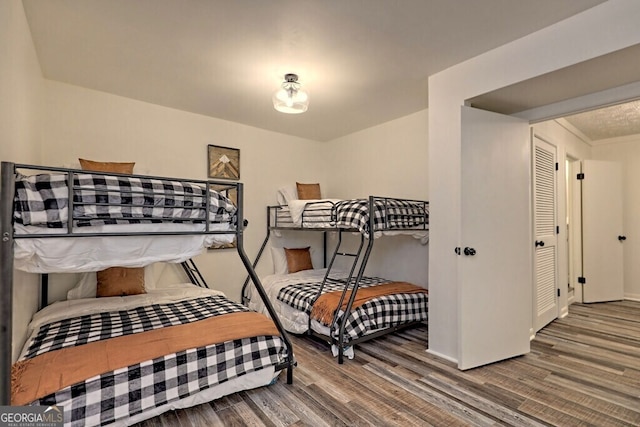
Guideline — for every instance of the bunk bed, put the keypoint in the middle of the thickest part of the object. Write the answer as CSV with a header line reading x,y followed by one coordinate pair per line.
x,y
307,299
121,359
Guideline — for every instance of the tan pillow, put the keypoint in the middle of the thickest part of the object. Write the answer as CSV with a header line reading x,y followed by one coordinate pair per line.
x,y
115,167
308,191
298,259
120,282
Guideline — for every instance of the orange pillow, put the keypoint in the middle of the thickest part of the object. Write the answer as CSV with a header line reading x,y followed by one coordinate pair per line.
x,y
115,167
298,259
120,282
308,191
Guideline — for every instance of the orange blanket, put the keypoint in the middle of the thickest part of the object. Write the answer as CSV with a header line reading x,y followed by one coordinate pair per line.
x,y
47,373
327,304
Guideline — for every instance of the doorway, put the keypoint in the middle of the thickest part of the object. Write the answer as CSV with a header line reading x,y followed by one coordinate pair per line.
x,y
606,134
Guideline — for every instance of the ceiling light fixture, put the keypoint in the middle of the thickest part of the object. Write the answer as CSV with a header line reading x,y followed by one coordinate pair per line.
x,y
290,98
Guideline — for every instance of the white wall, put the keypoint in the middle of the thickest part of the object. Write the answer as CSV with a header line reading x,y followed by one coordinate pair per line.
x,y
167,142
21,89
626,151
603,29
386,160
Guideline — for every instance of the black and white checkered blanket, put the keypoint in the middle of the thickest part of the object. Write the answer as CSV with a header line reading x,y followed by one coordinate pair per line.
x,y
378,313
388,214
129,391
43,200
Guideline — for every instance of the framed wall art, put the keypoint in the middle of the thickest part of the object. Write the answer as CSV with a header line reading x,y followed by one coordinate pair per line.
x,y
224,162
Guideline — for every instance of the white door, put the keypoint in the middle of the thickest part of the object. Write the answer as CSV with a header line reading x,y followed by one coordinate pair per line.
x,y
495,261
545,233
602,234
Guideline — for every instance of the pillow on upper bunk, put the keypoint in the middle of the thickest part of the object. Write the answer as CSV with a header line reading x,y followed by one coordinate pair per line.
x,y
120,282
286,194
308,191
298,259
115,167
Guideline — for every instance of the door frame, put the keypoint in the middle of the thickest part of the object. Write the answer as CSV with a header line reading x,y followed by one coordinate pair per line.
x,y
574,230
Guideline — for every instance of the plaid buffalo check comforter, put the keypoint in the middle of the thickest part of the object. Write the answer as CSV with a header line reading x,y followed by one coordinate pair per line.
x,y
388,214
43,200
117,395
377,314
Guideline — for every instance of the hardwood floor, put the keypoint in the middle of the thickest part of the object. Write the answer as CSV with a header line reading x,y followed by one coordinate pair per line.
x,y
583,370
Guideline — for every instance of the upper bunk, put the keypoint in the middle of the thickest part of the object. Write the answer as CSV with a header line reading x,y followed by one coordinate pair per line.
x,y
303,210
154,218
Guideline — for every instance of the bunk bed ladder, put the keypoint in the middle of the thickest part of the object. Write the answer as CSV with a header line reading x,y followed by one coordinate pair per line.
x,y
356,282
193,273
347,282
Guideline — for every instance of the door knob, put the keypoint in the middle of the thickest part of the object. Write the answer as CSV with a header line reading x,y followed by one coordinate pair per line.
x,y
622,238
539,243
469,251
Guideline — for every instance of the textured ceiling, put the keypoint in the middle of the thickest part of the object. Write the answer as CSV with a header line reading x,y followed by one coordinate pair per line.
x,y
609,122
364,62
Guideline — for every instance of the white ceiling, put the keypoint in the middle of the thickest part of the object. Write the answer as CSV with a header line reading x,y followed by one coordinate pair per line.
x,y
364,62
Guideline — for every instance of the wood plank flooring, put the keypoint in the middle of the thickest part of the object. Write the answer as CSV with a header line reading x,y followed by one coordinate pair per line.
x,y
583,370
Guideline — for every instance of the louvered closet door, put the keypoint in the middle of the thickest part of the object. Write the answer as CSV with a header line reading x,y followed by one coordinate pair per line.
x,y
546,252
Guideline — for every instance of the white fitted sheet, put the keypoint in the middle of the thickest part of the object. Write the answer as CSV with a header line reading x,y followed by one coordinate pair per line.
x,y
76,255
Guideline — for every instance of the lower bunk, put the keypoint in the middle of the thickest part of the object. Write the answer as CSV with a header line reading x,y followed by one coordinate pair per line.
x,y
121,360
380,306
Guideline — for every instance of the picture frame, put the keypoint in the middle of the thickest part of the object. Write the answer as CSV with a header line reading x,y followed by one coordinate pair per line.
x,y
223,162
231,192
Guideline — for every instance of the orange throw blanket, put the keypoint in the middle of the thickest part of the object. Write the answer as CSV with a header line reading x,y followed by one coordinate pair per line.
x,y
327,304
47,373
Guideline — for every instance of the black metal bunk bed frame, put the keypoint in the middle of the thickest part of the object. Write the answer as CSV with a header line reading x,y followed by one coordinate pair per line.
x,y
7,192
357,256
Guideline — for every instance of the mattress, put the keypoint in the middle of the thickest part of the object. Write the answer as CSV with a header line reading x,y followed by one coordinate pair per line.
x,y
133,393
291,294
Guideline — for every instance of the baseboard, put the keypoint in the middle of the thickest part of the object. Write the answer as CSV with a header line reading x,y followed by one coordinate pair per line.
x,y
564,312
442,356
632,297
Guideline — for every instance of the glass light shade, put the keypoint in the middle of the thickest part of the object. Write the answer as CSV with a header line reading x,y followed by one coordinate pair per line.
x,y
291,99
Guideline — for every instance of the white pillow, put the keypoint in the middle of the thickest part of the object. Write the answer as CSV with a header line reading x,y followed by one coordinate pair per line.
x,y
279,261
286,193
87,286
